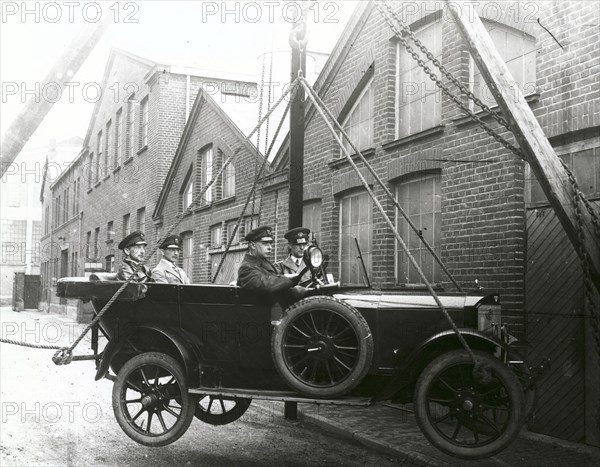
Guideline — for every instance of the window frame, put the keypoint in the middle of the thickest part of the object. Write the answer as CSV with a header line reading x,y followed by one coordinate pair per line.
x,y
367,87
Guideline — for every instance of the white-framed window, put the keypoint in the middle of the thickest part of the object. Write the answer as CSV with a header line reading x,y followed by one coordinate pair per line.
x,y
118,136
108,146
100,150
358,124
110,230
311,218
206,159
229,181
144,123
421,199
356,224
216,236
250,223
187,253
109,263
126,225
518,51
186,192
418,99
131,126
141,219
585,165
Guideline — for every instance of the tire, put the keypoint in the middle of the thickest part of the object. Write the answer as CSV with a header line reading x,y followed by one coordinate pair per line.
x,y
322,347
463,417
219,410
152,384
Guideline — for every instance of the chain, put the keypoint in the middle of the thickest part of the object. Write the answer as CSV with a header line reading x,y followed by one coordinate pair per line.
x,y
465,90
446,90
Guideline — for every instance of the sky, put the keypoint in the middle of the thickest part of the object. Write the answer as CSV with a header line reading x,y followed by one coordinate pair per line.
x,y
216,35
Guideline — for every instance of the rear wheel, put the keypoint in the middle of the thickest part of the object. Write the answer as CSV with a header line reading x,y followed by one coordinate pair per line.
x,y
220,410
464,416
151,401
322,347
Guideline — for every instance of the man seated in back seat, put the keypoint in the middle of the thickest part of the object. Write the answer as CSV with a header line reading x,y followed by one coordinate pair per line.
x,y
133,247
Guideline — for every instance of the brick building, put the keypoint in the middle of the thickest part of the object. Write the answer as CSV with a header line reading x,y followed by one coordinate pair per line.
x,y
474,201
112,186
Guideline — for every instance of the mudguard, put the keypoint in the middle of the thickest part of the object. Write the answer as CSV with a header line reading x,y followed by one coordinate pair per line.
x,y
185,343
409,368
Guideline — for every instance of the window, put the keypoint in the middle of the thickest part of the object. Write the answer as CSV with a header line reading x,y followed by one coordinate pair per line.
x,y
311,218
517,49
358,125
229,181
66,205
230,228
141,220
216,236
118,136
131,126
96,236
187,190
47,220
74,259
355,223
126,225
109,263
57,213
207,165
419,103
99,156
585,165
91,171
420,197
88,244
110,234
249,224
144,124
107,158
188,251
75,197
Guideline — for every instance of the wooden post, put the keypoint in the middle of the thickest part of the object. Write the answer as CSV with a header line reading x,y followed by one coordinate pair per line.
x,y
533,142
36,108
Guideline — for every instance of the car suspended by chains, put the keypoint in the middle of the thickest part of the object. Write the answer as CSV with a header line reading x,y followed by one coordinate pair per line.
x,y
179,351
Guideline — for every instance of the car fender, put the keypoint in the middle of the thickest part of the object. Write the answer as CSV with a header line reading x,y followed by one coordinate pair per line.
x,y
185,344
409,368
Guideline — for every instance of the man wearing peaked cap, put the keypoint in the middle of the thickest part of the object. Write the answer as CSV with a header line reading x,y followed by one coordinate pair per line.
x,y
167,271
297,242
134,249
258,273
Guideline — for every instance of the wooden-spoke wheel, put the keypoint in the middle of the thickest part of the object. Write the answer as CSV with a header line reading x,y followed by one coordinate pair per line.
x,y
322,347
220,410
461,414
151,400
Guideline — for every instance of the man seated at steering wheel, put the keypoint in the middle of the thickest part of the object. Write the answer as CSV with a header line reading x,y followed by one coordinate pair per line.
x,y
257,273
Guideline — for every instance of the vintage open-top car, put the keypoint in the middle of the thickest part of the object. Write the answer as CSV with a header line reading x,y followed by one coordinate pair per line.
x,y
208,350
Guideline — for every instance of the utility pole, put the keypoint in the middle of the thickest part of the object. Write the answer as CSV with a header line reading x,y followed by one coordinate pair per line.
x,y
36,108
537,150
296,172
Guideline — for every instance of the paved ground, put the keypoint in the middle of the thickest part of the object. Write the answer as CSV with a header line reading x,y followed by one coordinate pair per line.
x,y
392,430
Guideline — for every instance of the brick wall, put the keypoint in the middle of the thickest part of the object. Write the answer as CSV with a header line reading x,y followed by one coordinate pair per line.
x,y
482,184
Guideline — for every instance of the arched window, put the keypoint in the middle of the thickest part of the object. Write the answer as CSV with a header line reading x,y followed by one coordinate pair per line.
x,y
187,253
356,222
517,49
186,193
421,199
358,124
418,99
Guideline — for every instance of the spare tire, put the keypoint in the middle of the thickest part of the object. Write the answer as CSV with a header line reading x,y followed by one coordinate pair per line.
x,y
322,347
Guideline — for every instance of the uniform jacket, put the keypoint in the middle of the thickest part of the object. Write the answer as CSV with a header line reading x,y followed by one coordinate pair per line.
x,y
128,268
261,275
288,266
169,273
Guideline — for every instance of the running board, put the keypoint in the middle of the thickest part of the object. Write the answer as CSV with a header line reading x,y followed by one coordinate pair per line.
x,y
284,396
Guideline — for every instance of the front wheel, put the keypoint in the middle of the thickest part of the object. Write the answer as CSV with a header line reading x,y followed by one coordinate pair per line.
x,y
151,401
464,416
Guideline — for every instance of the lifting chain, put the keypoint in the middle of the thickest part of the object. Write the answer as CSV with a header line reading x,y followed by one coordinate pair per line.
x,y
444,88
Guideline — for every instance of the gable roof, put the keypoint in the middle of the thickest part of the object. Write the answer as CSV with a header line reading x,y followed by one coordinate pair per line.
x,y
224,105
